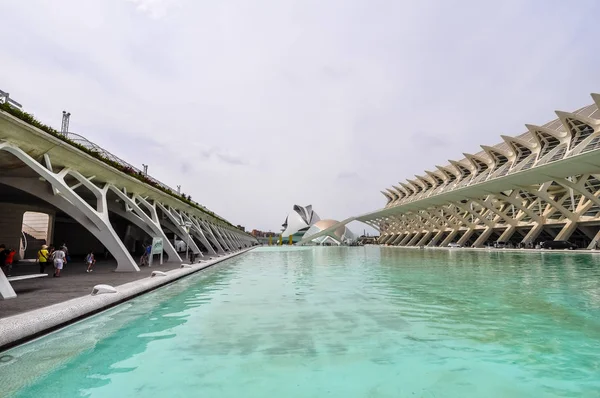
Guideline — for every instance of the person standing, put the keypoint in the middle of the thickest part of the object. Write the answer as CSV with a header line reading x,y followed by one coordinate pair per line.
x,y
3,254
90,260
60,259
9,260
66,250
42,258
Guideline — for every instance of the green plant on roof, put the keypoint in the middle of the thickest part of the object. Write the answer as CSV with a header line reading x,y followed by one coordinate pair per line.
x,y
31,120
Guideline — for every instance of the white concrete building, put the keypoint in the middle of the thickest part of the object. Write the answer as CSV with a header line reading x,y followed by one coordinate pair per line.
x,y
93,203
543,184
336,236
298,221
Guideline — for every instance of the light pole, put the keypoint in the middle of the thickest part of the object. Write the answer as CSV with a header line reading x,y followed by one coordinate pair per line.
x,y
64,128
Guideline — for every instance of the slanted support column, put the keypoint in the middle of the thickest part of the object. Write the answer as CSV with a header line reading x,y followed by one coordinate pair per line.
x,y
533,233
212,237
436,238
221,239
6,290
397,239
235,239
406,239
595,243
231,241
424,239
150,225
384,239
450,237
566,231
508,233
381,239
96,221
392,238
196,230
483,237
174,221
463,239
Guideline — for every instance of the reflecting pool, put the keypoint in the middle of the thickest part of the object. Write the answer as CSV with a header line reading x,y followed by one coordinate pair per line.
x,y
337,322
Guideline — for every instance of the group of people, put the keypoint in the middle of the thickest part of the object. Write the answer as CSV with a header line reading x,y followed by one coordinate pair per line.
x,y
47,255
59,257
6,259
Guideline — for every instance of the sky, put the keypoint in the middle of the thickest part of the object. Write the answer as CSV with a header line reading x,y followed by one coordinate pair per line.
x,y
253,107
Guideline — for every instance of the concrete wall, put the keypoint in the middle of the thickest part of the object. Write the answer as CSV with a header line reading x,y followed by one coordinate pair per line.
x,y
11,221
78,239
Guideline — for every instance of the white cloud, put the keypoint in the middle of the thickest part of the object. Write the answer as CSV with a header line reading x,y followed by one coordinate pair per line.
x,y
156,9
255,106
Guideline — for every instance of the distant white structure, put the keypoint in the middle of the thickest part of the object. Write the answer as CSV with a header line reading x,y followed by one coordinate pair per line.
x,y
299,221
338,236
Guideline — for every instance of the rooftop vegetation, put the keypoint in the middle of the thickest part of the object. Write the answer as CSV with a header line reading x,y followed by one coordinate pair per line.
x,y
31,120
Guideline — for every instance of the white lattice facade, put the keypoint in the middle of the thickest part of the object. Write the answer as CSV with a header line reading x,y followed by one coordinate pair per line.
x,y
543,184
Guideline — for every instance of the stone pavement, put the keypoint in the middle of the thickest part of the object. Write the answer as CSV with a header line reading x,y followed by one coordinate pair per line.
x,y
73,282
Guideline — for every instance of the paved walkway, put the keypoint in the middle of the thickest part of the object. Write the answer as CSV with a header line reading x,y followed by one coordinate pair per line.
x,y
73,282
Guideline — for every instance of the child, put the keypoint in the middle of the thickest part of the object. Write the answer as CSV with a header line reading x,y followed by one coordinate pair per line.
x,y
90,260
9,260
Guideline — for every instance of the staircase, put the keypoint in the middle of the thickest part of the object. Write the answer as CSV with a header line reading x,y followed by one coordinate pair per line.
x,y
32,246
35,233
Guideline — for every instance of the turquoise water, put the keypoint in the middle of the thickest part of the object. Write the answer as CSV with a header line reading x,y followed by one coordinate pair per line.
x,y
337,322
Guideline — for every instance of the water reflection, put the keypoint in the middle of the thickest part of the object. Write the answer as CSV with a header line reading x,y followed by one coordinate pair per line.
x,y
123,331
299,321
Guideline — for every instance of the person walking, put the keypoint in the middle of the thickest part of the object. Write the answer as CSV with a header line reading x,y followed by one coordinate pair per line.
x,y
42,258
90,260
60,259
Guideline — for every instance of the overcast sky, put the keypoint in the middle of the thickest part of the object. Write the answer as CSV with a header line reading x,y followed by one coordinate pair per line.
x,y
254,106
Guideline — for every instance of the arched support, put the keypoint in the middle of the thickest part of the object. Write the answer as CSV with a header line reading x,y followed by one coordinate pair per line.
x,y
224,243
106,234
211,236
196,230
151,225
174,222
96,221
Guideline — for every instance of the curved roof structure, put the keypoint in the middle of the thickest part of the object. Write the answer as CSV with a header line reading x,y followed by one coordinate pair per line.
x,y
299,220
567,135
337,236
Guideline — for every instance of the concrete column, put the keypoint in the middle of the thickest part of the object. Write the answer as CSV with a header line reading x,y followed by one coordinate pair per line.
x,y
211,236
387,239
174,222
6,290
406,239
533,233
96,221
508,233
424,239
483,237
220,238
149,224
436,238
450,237
396,239
566,232
594,243
463,239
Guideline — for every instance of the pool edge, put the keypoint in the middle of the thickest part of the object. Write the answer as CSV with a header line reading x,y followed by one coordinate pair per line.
x,y
21,328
